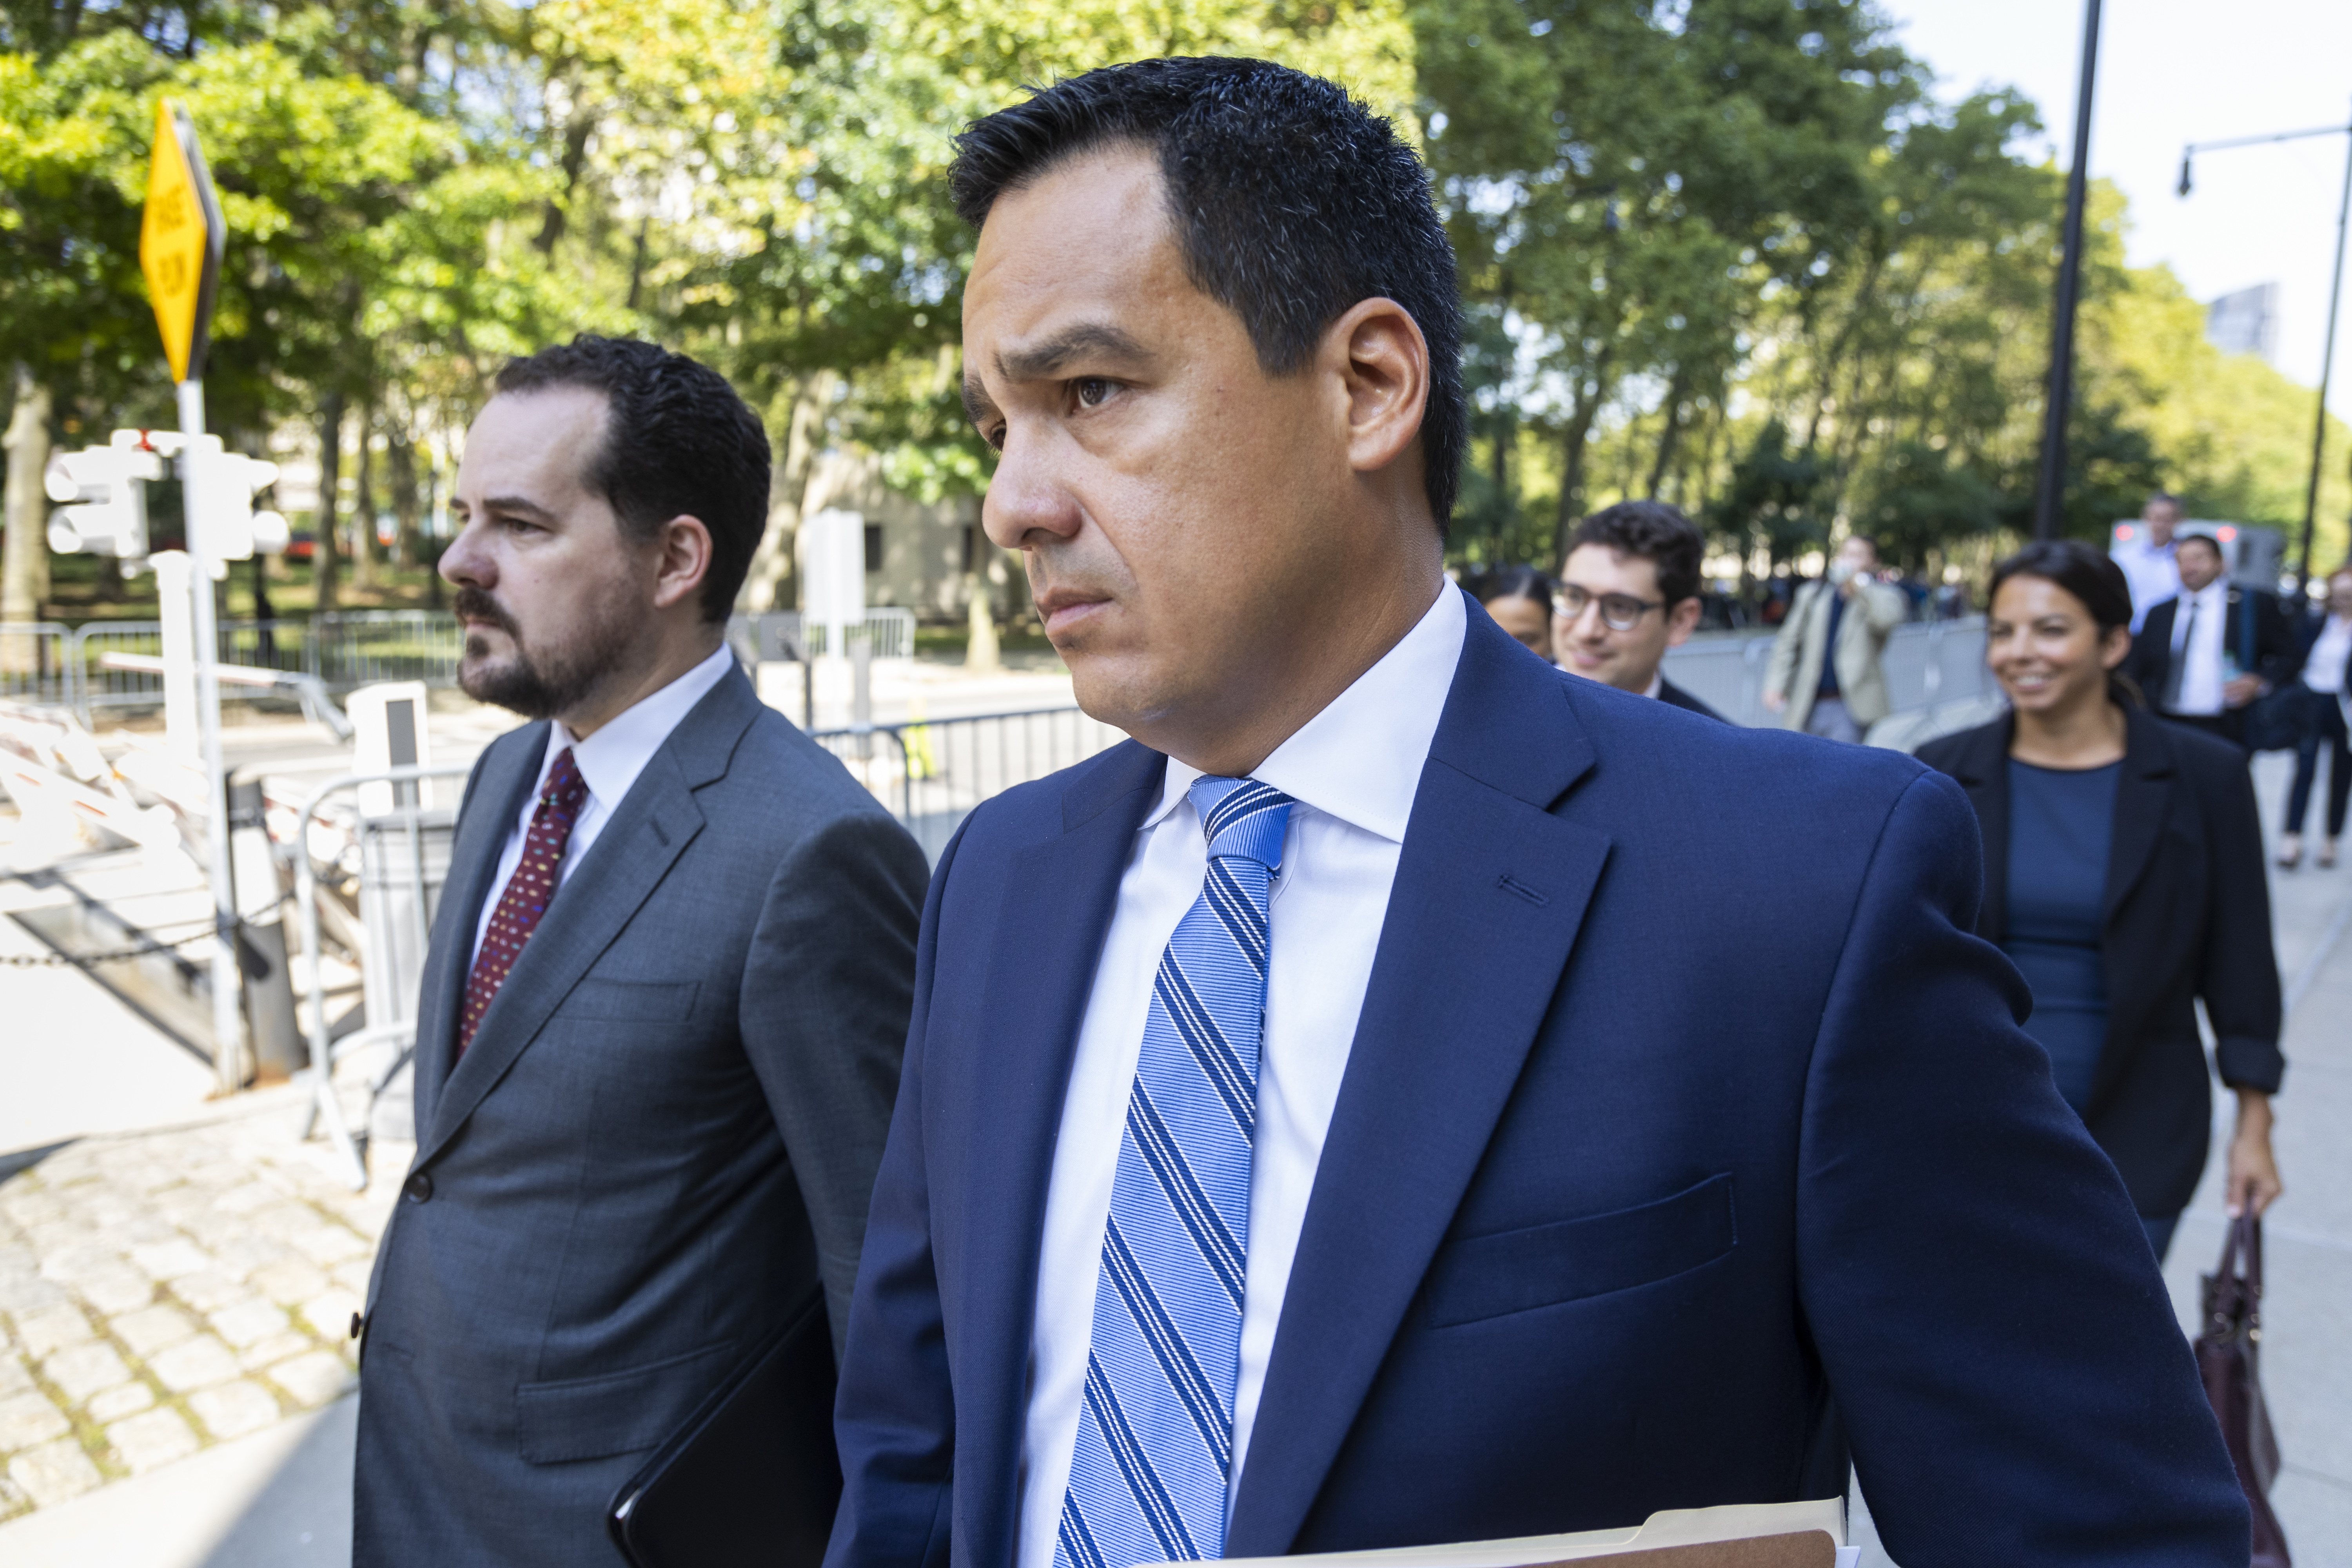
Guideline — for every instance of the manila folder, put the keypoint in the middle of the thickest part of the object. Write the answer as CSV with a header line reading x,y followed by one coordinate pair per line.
x,y
1742,1535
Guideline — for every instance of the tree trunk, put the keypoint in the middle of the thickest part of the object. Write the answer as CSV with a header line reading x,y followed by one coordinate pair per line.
x,y
364,548
979,650
27,545
326,553
557,212
1574,444
1505,509
1677,400
400,458
772,582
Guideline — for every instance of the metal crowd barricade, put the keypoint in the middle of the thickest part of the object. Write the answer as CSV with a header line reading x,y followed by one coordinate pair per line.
x,y
36,663
399,889
887,629
1929,663
930,773
363,647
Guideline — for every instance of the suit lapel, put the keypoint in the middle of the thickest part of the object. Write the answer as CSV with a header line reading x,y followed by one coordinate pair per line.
x,y
1055,911
654,824
508,773
2143,794
1490,891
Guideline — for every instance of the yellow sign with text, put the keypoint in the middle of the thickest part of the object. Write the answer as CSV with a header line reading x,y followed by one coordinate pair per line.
x,y
180,240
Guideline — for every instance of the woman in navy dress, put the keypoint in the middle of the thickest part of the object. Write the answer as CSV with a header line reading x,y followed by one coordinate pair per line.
x,y
2123,877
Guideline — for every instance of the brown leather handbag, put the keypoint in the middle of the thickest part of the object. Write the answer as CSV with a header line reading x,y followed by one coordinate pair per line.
x,y
2227,1357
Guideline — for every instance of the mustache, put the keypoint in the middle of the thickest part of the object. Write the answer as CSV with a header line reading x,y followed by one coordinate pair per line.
x,y
474,603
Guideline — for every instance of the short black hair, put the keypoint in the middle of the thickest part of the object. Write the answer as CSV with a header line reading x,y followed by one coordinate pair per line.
x,y
2207,539
679,441
1290,201
1513,582
1656,532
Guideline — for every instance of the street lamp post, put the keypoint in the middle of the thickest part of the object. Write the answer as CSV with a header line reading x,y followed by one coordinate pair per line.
x,y
2049,487
2334,300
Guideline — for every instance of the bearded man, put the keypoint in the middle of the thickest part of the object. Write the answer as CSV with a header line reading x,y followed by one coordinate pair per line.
x,y
661,1019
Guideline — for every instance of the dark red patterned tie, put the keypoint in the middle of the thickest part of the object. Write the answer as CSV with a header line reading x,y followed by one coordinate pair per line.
x,y
528,890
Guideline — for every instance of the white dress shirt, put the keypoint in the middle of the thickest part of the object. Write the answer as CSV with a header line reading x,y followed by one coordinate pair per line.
x,y
2324,671
609,762
2151,571
1352,769
2201,646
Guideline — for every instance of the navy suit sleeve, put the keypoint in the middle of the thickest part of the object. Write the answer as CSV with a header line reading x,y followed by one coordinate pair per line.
x,y
894,1418
1983,1300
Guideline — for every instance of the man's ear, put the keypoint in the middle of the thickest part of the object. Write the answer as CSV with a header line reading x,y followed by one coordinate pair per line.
x,y
1682,619
682,553
1381,360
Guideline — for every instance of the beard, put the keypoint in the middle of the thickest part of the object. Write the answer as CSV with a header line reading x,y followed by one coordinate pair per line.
x,y
541,682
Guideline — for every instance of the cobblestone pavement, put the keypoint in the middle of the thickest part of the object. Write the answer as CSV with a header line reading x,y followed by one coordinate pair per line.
x,y
164,1290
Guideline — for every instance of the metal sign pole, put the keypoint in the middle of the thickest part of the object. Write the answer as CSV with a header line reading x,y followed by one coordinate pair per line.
x,y
182,239
228,1012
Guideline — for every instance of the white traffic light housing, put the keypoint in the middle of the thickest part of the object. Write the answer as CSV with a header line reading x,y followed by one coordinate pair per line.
x,y
220,487
104,510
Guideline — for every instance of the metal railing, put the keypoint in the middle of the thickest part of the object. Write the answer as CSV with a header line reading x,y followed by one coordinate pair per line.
x,y
930,773
36,662
394,942
1928,664
887,629
340,651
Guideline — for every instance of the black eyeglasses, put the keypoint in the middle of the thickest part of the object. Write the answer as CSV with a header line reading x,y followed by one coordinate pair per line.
x,y
1619,612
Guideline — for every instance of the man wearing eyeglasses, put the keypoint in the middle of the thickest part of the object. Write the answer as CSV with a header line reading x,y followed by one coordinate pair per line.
x,y
1825,677
1628,593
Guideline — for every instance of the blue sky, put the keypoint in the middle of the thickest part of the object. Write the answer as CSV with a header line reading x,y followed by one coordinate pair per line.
x,y
2173,71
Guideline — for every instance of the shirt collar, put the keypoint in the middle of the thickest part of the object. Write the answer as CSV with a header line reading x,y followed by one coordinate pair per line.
x,y
2218,588
1390,714
609,760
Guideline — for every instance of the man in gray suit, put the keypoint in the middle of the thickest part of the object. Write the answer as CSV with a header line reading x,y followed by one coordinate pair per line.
x,y
666,995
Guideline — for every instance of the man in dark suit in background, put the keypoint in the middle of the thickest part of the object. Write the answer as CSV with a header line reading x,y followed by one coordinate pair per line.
x,y
1329,1122
666,997
2203,657
1629,591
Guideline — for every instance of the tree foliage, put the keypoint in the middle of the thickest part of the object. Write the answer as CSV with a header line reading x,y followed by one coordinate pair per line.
x,y
1730,252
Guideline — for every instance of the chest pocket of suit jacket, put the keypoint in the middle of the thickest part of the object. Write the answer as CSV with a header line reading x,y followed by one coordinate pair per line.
x,y
629,1001
1483,1277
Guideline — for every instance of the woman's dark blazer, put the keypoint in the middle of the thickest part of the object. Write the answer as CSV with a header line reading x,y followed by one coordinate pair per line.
x,y
2188,915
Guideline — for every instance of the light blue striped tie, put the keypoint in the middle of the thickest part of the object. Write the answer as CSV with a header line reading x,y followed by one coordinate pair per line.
x,y
1148,1480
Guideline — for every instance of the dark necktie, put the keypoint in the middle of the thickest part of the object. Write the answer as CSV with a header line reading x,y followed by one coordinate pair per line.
x,y
2170,701
528,890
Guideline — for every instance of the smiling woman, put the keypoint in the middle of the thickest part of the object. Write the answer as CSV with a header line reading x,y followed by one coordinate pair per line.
x,y
2074,790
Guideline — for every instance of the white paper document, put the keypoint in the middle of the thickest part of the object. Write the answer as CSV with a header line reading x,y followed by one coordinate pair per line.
x,y
1674,1527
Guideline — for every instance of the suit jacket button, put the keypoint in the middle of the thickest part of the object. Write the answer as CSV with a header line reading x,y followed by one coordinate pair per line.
x,y
357,1324
419,1187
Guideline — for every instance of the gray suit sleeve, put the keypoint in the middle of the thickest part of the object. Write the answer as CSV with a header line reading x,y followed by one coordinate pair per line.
x,y
827,989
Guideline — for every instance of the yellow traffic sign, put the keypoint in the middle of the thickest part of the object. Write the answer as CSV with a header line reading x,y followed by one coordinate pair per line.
x,y
181,239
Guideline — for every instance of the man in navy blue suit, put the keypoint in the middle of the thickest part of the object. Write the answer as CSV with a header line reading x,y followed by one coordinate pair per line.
x,y
1328,1121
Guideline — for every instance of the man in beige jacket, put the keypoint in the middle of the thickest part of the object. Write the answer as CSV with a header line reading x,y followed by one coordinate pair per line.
x,y
1825,677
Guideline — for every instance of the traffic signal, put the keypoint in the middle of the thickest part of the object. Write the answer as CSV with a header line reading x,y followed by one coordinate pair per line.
x,y
104,509
220,487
